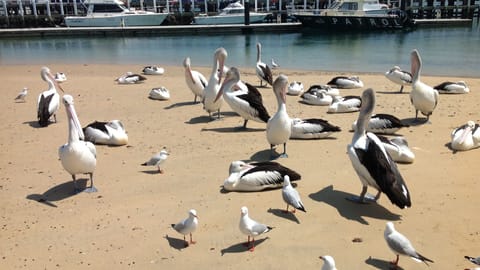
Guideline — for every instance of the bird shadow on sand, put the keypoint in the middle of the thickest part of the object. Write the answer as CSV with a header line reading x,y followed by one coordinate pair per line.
x,y
180,104
415,122
264,155
151,172
233,129
176,243
286,215
202,119
351,210
35,124
58,193
381,264
393,92
240,247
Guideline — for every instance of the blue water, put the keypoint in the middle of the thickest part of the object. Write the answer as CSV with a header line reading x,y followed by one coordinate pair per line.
x,y
450,51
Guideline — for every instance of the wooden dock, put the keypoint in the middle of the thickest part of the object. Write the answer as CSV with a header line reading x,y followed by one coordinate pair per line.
x,y
443,22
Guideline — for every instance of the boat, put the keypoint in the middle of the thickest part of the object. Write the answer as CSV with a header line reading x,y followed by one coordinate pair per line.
x,y
355,15
113,13
234,13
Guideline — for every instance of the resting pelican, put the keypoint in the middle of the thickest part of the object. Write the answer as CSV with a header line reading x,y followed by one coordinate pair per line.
x,y
331,91
22,95
109,133
423,97
319,98
345,82
466,137
195,80
210,103
251,228
345,104
77,156
153,70
159,93
399,76
371,161
382,123
279,126
130,78
263,70
312,128
256,176
295,88
459,87
60,77
49,100
246,101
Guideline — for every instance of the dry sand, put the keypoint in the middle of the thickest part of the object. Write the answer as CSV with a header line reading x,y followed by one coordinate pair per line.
x,y
126,224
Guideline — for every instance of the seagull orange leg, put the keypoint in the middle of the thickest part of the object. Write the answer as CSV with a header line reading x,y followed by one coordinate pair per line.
x,y
191,241
253,245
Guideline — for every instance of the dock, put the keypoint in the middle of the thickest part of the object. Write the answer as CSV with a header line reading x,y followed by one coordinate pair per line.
x,y
443,22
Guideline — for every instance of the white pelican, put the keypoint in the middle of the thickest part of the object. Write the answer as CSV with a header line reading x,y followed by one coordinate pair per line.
x,y
187,226
60,77
312,128
109,133
466,137
397,148
159,93
77,156
157,160
400,245
328,263
473,259
195,80
48,100
423,97
279,126
290,196
22,95
345,104
317,97
295,88
399,76
210,103
153,70
251,228
331,91
345,82
459,87
244,99
382,123
257,176
372,163
130,78
261,69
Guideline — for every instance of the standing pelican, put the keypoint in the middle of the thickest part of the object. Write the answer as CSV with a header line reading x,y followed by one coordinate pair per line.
x,y
279,126
466,137
187,226
251,227
22,95
459,87
399,76
49,100
246,101
262,70
423,97
109,133
210,103
371,161
194,79
77,156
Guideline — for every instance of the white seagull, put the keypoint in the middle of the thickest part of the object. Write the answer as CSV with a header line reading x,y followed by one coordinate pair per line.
x,y
399,76
346,82
345,104
274,64
473,259
279,126
22,95
153,70
459,87
48,100
466,137
195,80
372,163
157,160
261,69
130,78
290,196
328,262
400,245
108,133
187,226
210,103
382,123
423,97
312,128
77,156
159,93
251,228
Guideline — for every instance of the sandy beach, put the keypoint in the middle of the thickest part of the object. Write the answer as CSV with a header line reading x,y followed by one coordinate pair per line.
x,y
126,224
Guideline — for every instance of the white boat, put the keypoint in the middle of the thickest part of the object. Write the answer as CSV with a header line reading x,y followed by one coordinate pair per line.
x,y
113,13
234,13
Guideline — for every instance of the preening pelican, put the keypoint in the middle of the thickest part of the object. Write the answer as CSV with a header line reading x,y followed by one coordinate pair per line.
x,y
423,97
187,226
312,128
398,149
48,100
459,87
261,69
372,163
153,70
279,126
77,156
130,78
210,103
159,93
345,82
108,133
195,80
295,88
399,76
382,123
466,137
321,95
251,228
345,104
22,95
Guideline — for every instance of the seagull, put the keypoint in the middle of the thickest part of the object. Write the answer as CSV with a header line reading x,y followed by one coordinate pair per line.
x,y
382,123
251,228
279,126
274,64
22,95
153,70
60,77
466,137
77,156
312,128
108,133
210,103
329,262
48,100
400,245
187,226
373,165
423,97
346,82
157,160
290,196
473,260
399,76
195,80
130,78
261,69
159,93
459,87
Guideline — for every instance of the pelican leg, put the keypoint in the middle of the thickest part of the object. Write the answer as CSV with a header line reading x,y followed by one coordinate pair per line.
x,y
284,154
364,198
218,114
55,117
401,89
272,151
91,188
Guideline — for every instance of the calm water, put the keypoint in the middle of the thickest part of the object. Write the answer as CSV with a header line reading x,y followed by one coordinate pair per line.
x,y
451,51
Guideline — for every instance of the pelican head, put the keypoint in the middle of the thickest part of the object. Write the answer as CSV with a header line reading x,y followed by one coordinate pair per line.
x,y
76,130
48,77
280,87
416,65
231,77
238,166
220,56
186,62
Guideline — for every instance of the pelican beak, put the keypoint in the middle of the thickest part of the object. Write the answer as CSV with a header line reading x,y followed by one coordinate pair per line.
x,y
222,89
220,72
189,70
76,122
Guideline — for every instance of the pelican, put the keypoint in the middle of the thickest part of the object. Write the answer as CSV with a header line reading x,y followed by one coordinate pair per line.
x,y
49,100
157,160
153,70
372,163
312,128
130,78
331,91
345,82
423,97
319,98
22,95
160,93
399,76
279,126
109,133
466,137
345,104
251,227
382,123
295,88
187,226
195,80
246,101
60,77
459,87
263,70
257,176
397,148
77,156
210,103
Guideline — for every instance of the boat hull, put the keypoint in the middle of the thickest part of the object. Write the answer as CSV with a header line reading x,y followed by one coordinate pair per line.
x,y
237,19
148,19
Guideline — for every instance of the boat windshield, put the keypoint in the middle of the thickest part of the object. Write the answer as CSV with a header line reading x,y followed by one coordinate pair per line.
x,y
108,8
349,6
